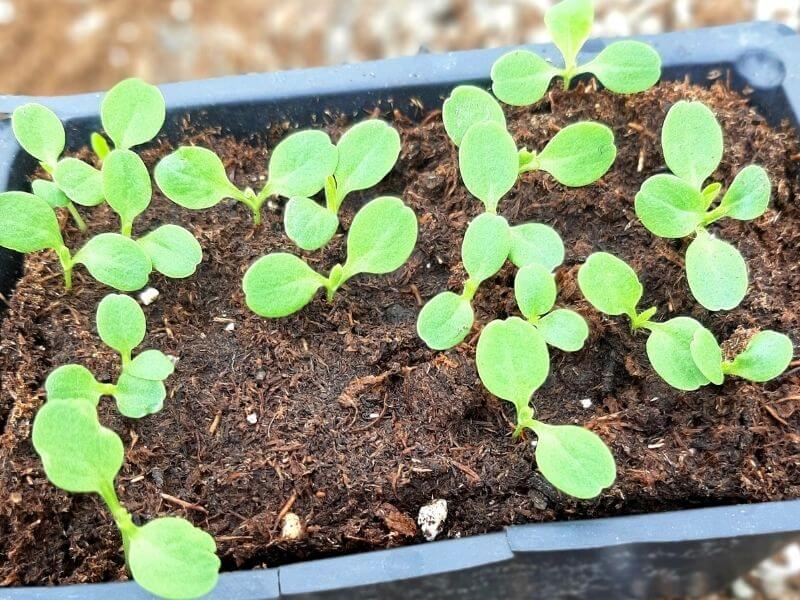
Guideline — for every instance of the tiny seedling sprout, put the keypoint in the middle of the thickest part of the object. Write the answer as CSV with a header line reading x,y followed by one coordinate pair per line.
x,y
626,67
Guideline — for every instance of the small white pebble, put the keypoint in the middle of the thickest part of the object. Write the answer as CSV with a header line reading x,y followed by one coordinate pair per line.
x,y
252,418
431,517
230,326
292,528
148,295
534,443
261,375
586,402
374,415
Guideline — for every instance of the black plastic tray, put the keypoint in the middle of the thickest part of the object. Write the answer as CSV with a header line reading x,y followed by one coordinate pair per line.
x,y
670,554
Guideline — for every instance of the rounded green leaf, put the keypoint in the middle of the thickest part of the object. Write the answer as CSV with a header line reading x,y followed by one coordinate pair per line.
x,y
707,355
512,359
194,178
692,142
569,23
49,192
132,113
152,365
574,460
579,154
716,272
126,184
626,67
120,322
467,105
670,207
280,284
116,261
710,192
72,382
534,290
564,329
99,145
171,558
137,397
301,162
381,238
309,224
27,223
488,162
536,243
39,131
445,321
367,152
79,455
173,250
766,356
669,351
521,77
81,182
609,284
486,245
748,196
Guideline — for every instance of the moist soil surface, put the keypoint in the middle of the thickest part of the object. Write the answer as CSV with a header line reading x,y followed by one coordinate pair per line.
x,y
341,415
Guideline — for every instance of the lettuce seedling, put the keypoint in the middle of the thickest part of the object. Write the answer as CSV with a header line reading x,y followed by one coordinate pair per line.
x,y
168,556
677,205
381,238
522,77
139,390
513,362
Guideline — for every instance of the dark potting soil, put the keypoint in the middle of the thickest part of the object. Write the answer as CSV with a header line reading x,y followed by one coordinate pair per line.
x,y
342,416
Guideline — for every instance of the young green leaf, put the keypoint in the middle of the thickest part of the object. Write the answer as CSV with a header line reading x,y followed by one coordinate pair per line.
x,y
707,355
573,459
137,397
579,154
73,382
280,284
716,272
171,558
40,132
132,113
308,224
445,321
748,196
81,182
486,245
669,351
669,206
27,223
564,329
466,106
302,162
99,145
194,178
625,67
535,290
692,142
120,323
126,186
766,356
488,162
536,243
610,285
49,192
116,261
152,365
569,23
521,77
173,251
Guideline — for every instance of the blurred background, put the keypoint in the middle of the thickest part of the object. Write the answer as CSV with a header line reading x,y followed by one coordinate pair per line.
x,y
67,46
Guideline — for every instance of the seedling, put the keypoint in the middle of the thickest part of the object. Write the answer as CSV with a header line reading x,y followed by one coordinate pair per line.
x,y
139,390
381,238
522,77
513,362
683,352
168,556
677,205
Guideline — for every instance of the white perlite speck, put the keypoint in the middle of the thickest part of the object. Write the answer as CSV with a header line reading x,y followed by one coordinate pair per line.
x,y
292,528
586,402
148,295
230,327
252,418
431,517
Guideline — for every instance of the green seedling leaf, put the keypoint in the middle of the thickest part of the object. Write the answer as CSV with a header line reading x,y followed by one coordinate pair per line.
x,y
171,558
564,329
521,77
466,106
137,398
132,113
302,162
716,272
610,285
707,355
120,323
766,356
536,243
574,460
116,261
710,193
78,454
308,224
367,152
692,142
669,206
512,360
488,162
49,192
669,351
486,245
579,154
152,365
27,223
194,178
445,321
626,67
126,186
569,23
40,132
534,290
71,383
99,145
82,183
280,284
172,250
748,196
